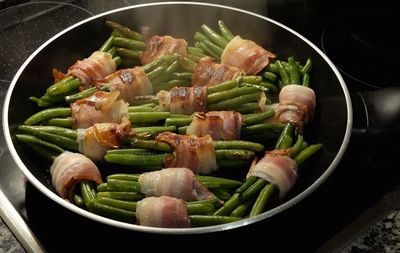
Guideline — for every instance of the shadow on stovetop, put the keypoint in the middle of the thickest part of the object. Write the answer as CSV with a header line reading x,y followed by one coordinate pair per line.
x,y
365,175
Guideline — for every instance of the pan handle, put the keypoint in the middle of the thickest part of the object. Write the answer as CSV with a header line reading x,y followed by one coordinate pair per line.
x,y
376,113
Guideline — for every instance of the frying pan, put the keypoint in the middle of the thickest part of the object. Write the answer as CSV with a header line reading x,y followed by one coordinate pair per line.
x,y
331,125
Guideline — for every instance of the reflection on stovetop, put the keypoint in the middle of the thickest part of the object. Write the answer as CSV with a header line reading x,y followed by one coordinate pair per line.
x,y
366,173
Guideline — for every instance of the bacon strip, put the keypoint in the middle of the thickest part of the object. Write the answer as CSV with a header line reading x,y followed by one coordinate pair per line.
x,y
246,55
99,108
96,67
158,46
190,151
209,73
296,104
183,100
129,82
220,125
68,169
95,141
278,170
164,211
174,182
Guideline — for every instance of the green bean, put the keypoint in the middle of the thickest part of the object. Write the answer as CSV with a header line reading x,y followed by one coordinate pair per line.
x,y
83,94
168,59
247,108
112,51
199,208
269,86
269,75
129,53
128,196
48,113
136,117
60,122
273,67
307,67
210,220
182,129
195,50
306,80
78,201
135,160
213,36
124,176
294,72
112,212
209,50
178,121
141,109
44,152
62,81
227,85
182,75
249,181
218,182
236,144
262,199
130,43
222,194
250,79
216,49
152,131
261,128
121,204
234,102
123,185
226,33
233,154
287,130
223,95
187,64
39,102
151,144
259,87
87,193
283,73
61,141
66,132
241,209
63,88
107,44
256,118
237,198
306,153
125,31
31,140
297,147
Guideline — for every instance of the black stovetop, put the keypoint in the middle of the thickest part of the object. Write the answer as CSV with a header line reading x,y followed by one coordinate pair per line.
x,y
356,38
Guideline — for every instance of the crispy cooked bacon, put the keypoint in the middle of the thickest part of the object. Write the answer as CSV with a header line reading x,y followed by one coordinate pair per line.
x,y
95,141
296,104
129,82
280,170
220,125
100,107
246,55
68,169
174,182
183,100
190,151
96,67
209,73
164,211
158,46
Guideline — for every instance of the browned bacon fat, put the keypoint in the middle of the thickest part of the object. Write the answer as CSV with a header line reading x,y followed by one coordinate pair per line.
x,y
96,67
68,169
98,108
209,73
220,125
96,140
174,182
158,46
190,151
164,212
129,82
246,55
183,100
279,170
296,104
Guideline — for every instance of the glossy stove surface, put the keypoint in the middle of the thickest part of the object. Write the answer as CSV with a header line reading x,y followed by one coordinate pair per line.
x,y
365,175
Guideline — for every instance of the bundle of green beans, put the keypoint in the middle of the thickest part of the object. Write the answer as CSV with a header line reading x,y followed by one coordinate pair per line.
x,y
122,205
151,154
256,192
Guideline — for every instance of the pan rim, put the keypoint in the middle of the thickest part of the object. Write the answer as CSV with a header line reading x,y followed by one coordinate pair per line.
x,y
53,196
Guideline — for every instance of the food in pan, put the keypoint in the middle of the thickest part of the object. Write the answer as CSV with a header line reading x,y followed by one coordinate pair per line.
x,y
204,134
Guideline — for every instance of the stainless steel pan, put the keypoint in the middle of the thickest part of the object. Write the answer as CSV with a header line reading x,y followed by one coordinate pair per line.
x,y
331,126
